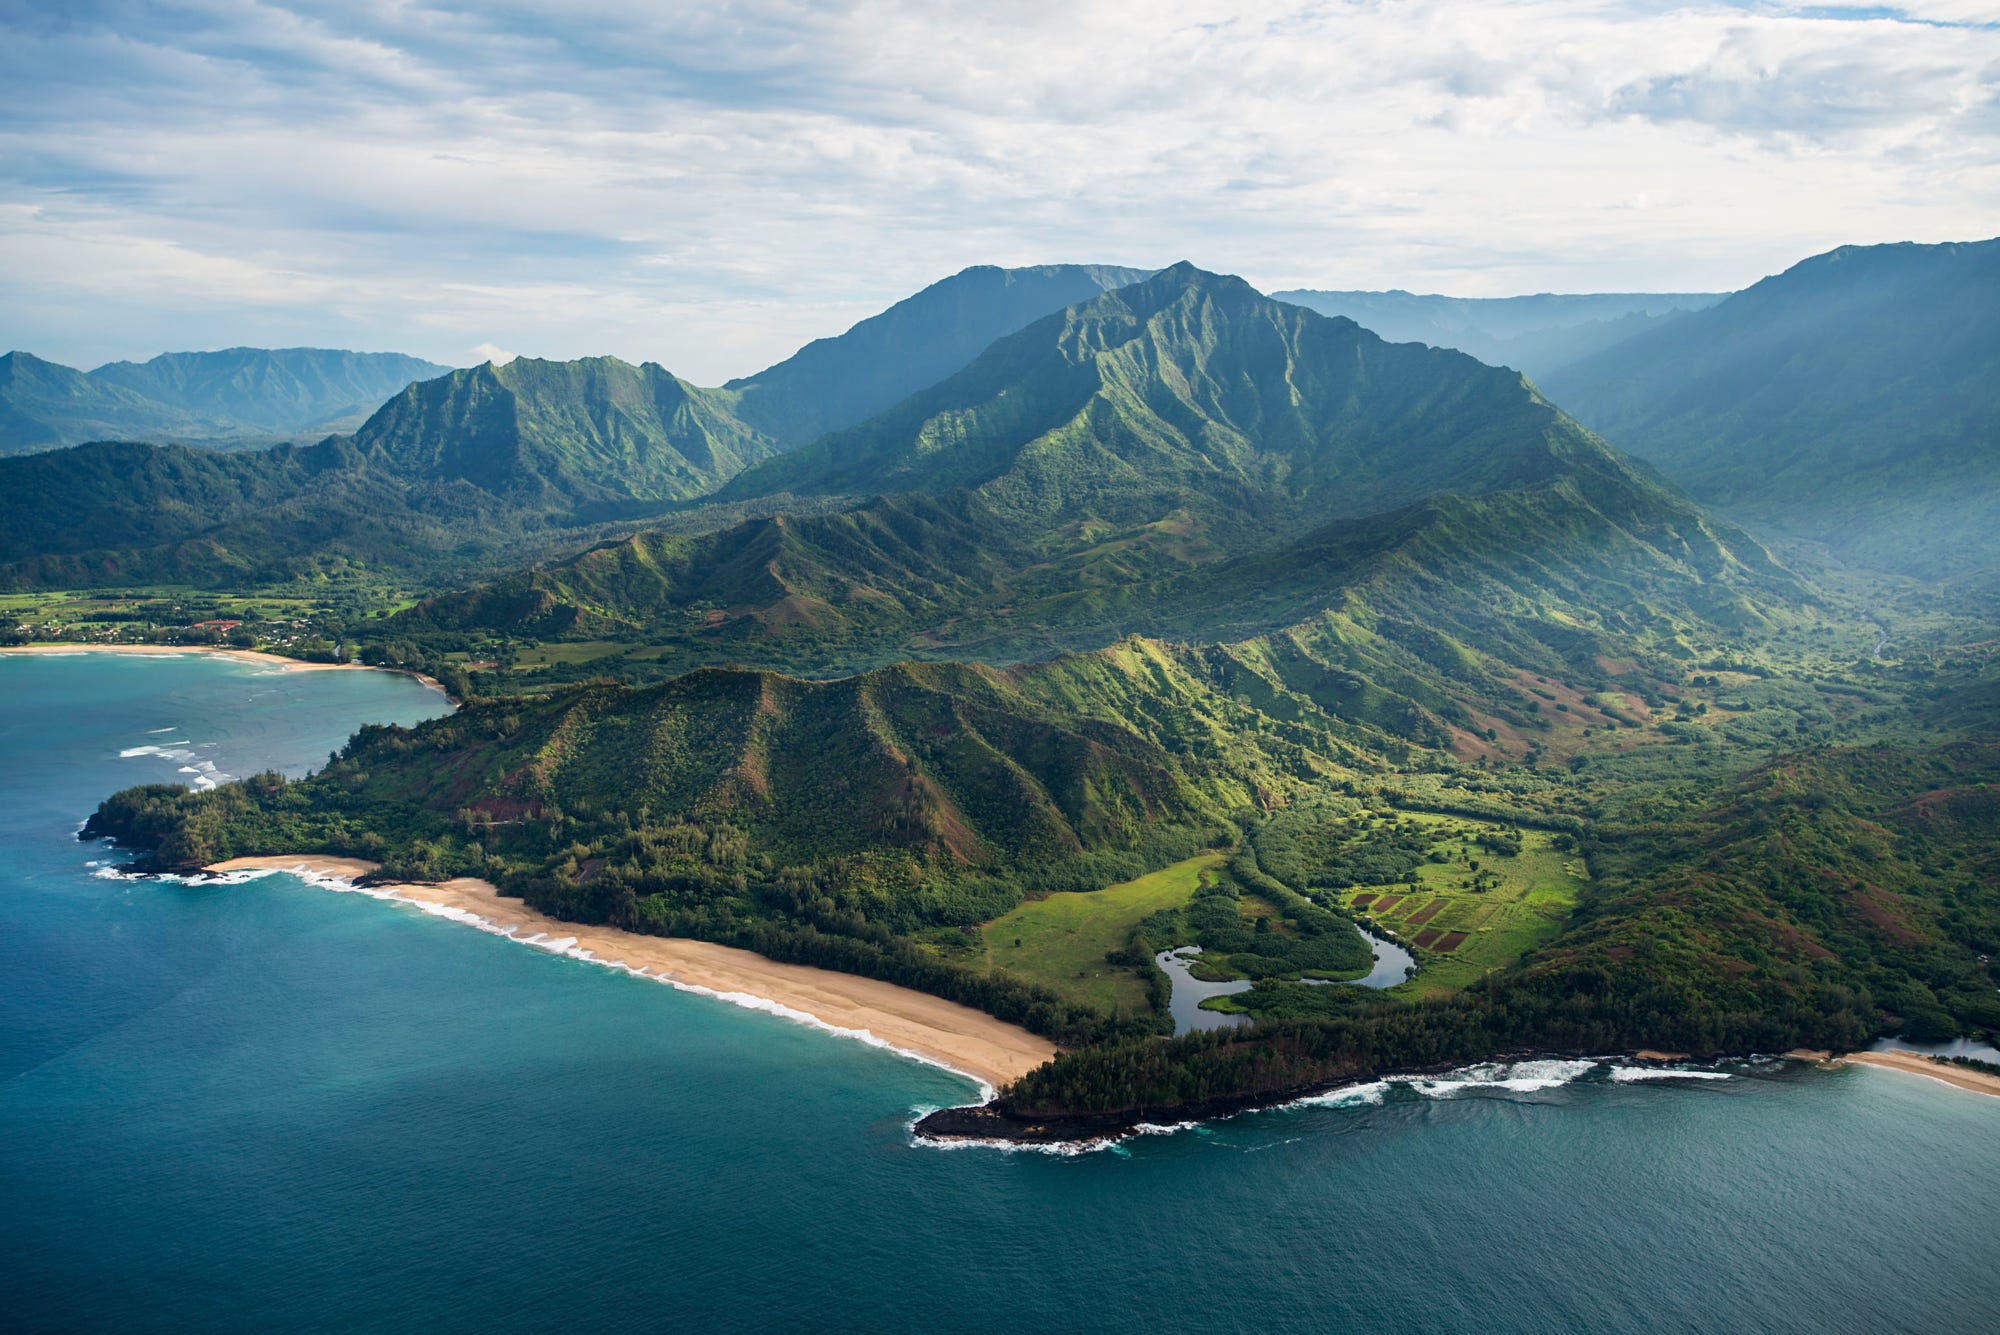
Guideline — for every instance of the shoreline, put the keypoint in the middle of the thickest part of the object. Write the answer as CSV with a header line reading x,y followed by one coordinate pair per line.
x,y
1525,1070
1915,1063
253,656
914,1024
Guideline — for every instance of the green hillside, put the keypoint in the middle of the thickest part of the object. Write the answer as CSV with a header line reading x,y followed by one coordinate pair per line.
x,y
1851,400
835,382
1818,901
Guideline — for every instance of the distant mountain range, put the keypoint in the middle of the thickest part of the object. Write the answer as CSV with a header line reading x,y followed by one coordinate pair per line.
x,y
1847,400
1853,399
464,467
238,396
1536,335
1180,457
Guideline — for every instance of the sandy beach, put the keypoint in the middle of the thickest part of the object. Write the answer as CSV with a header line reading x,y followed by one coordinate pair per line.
x,y
218,651
1917,1064
943,1032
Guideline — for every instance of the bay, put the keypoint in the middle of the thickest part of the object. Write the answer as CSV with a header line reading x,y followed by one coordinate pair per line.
x,y
265,1106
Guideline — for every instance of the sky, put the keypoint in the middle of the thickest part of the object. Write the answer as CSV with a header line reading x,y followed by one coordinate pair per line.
x,y
708,186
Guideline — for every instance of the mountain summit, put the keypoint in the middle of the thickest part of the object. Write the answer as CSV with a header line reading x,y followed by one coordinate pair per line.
x,y
1193,388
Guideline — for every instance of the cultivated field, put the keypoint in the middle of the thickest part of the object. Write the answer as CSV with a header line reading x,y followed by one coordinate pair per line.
x,y
1479,910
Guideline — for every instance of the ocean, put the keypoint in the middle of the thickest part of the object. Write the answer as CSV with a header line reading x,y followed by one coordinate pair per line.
x,y
264,1106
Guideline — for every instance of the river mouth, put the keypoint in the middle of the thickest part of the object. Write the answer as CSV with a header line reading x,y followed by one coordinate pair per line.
x,y
1392,965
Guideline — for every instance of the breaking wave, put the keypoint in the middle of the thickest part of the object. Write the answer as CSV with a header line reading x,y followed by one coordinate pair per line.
x,y
205,773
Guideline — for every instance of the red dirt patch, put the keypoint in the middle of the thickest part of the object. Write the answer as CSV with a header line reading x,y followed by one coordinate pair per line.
x,y
1363,901
1427,912
1425,938
1450,941
1881,907
1387,902
504,808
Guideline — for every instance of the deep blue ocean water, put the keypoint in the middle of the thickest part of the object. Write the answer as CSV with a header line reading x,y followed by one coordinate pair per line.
x,y
269,1107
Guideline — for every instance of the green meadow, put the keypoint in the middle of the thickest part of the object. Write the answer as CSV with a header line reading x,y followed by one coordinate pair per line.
x,y
1060,941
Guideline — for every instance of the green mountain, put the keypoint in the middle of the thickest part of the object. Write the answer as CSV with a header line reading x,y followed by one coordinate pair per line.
x,y
1531,577
554,435
459,470
479,466
870,823
835,382
238,397
274,390
1853,399
1386,542
1191,390
1536,335
44,405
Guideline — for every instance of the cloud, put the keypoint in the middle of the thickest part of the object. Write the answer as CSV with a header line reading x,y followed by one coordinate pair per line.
x,y
487,352
710,185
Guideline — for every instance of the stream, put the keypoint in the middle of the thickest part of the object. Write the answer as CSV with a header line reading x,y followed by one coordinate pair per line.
x,y
1392,966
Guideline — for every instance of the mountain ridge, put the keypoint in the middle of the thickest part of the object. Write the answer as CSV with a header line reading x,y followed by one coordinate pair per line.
x,y
234,397
1849,400
1535,334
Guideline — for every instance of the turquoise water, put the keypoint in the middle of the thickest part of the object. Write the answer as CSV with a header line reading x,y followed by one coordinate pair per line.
x,y
264,1106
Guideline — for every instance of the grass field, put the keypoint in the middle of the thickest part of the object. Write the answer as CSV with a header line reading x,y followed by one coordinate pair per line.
x,y
571,652
1060,941
1528,905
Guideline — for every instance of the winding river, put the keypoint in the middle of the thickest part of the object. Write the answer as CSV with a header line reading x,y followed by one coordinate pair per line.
x,y
1392,965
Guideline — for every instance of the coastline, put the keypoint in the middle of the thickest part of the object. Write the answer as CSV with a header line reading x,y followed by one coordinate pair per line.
x,y
916,1024
1913,1063
255,656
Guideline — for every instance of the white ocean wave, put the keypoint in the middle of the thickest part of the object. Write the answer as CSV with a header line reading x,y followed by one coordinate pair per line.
x,y
1061,1149
1524,1077
1369,1093
1519,1077
163,749
119,873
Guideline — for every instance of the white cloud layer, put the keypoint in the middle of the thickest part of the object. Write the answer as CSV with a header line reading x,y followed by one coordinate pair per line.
x,y
710,185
